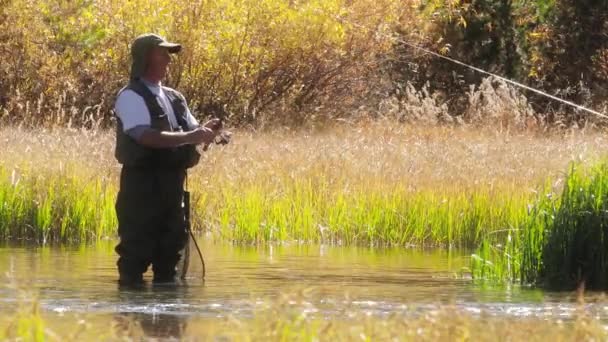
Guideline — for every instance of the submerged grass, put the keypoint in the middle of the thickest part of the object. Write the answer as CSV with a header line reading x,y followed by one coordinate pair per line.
x,y
374,184
293,318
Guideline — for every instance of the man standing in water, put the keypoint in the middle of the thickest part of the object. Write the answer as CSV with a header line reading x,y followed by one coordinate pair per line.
x,y
155,143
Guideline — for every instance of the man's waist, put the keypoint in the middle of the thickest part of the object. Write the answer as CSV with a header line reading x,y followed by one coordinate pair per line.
x,y
154,169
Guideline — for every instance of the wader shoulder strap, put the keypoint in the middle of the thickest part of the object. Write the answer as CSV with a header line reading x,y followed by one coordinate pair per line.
x,y
149,98
180,108
159,119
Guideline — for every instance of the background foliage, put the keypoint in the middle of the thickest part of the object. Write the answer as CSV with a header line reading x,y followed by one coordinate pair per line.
x,y
264,61
560,46
240,56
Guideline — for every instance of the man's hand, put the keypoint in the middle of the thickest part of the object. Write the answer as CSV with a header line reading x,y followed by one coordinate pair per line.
x,y
201,135
214,124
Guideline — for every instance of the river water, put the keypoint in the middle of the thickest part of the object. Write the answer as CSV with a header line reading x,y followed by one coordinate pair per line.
x,y
82,281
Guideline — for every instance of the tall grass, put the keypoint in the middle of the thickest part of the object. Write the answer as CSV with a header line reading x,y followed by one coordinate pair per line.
x,y
371,185
562,243
399,217
60,207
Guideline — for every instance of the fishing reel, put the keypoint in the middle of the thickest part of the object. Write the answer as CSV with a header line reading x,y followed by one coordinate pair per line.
x,y
223,138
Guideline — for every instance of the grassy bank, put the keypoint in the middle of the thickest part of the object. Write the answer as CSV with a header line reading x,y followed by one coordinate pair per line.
x,y
371,184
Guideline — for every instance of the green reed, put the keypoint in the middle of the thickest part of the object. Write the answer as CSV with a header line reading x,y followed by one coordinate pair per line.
x,y
64,206
563,242
399,217
54,207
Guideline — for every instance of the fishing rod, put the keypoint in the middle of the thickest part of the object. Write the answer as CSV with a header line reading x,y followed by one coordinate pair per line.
x,y
474,68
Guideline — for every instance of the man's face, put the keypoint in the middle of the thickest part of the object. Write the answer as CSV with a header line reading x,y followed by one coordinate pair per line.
x,y
158,61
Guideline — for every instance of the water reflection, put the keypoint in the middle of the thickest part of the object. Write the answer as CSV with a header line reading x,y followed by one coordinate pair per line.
x,y
157,326
154,321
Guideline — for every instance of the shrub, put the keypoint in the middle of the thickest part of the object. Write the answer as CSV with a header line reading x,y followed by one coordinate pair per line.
x,y
271,59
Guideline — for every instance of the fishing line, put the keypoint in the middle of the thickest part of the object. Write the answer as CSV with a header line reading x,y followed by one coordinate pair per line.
x,y
186,256
472,67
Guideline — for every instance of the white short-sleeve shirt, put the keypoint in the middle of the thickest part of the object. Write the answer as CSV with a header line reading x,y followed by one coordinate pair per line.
x,y
132,111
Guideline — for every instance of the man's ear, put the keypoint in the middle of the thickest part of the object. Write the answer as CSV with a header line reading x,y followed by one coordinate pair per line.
x,y
146,61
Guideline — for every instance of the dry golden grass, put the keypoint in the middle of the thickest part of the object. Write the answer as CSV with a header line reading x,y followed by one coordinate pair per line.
x,y
367,155
421,158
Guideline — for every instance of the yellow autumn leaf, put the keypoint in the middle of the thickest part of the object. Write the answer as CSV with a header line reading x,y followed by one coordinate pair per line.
x,y
535,35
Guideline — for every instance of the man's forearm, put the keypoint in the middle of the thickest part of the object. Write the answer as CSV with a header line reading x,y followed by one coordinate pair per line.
x,y
163,139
